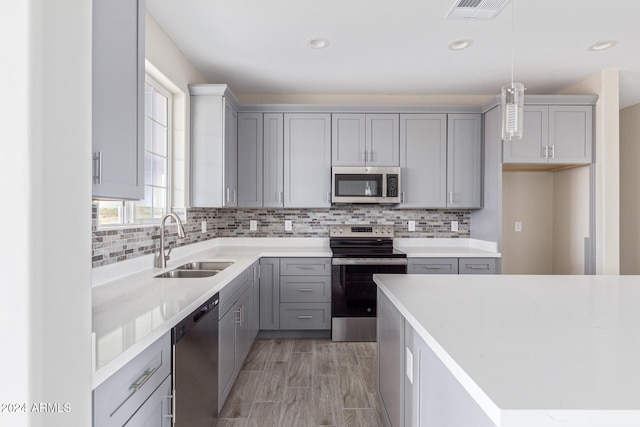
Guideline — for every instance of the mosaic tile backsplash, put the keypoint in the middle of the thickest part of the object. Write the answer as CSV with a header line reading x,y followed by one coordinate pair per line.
x,y
114,245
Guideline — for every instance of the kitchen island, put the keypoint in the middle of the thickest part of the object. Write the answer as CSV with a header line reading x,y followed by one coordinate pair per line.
x,y
510,351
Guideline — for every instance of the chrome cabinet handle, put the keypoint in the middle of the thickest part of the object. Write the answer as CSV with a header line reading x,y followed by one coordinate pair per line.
x,y
172,402
433,267
450,196
228,193
402,197
97,167
478,267
553,151
146,375
364,156
370,156
279,196
546,151
305,317
235,196
305,289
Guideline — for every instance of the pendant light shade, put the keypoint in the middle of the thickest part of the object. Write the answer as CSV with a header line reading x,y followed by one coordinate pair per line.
x,y
512,102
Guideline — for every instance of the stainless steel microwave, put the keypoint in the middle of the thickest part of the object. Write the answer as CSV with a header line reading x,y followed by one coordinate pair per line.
x,y
364,184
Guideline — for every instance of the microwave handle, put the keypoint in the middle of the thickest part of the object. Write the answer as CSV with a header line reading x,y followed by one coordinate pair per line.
x,y
328,197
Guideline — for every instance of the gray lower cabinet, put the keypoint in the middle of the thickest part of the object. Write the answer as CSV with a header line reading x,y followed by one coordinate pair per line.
x,y
391,360
423,160
432,395
214,146
250,161
307,160
295,293
553,134
138,394
452,266
118,31
464,161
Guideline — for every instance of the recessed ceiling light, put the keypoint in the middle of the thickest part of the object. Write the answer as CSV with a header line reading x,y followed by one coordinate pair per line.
x,y
460,44
317,43
605,44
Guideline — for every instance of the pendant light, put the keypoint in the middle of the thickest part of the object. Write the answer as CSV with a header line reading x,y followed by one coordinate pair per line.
x,y
512,100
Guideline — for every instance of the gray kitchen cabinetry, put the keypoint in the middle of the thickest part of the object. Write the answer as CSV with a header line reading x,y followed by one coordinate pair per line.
x,y
451,266
423,160
307,160
118,99
235,325
391,364
365,140
464,161
553,134
273,166
250,161
139,391
214,146
295,293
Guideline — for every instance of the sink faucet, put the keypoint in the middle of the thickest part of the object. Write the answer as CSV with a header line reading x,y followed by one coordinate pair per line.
x,y
161,256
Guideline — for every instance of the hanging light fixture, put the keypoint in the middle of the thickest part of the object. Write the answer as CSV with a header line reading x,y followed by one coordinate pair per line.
x,y
512,99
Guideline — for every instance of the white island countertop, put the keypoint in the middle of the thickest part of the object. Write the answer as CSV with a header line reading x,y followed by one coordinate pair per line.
x,y
533,351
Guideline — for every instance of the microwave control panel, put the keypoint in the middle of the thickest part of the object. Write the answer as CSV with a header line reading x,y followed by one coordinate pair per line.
x,y
392,185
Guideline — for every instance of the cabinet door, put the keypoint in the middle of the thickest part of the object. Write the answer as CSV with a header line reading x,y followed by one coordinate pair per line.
x,y
273,167
531,148
230,156
391,359
570,134
243,326
464,161
383,139
423,160
118,99
156,411
250,160
226,354
270,293
307,160
348,140
255,301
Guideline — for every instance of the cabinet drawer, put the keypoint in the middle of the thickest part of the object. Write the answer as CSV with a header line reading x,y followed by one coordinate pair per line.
x,y
305,289
305,266
477,266
433,266
120,396
230,294
312,315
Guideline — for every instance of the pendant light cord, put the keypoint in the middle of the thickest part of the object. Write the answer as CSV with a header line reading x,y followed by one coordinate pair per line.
x,y
513,43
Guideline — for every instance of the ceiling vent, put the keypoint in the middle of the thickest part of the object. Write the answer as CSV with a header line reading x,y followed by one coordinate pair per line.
x,y
476,9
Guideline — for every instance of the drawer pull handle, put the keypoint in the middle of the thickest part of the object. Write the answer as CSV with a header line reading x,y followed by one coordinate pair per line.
x,y
146,375
305,289
478,267
434,267
305,317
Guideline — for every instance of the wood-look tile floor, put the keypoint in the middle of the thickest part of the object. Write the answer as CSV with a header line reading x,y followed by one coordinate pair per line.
x,y
305,383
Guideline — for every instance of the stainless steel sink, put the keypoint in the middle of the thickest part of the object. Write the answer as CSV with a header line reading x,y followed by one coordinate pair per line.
x,y
185,274
196,269
205,265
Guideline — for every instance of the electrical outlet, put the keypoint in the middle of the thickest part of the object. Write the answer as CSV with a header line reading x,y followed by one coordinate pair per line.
x,y
454,225
288,225
518,226
411,225
204,226
409,365
253,225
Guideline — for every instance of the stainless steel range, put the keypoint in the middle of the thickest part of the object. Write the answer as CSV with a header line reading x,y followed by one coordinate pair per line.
x,y
359,252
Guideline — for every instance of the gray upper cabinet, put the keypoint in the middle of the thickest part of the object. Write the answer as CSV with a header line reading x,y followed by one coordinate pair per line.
x,y
273,166
214,146
554,134
365,140
118,99
307,160
464,161
250,161
423,159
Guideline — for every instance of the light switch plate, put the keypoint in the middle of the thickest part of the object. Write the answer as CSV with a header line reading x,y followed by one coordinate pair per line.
x,y
454,225
411,225
253,225
409,365
288,226
204,226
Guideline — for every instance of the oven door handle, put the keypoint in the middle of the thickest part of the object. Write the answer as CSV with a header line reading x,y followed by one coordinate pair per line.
x,y
368,261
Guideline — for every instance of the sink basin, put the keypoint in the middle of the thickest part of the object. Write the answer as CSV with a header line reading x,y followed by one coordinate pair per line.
x,y
205,265
185,274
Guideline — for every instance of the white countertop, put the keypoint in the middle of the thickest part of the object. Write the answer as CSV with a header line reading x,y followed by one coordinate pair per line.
x,y
533,351
446,248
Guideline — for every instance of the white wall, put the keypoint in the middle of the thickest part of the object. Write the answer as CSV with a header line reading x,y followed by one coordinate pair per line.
x,y
630,190
168,65
45,255
527,197
607,166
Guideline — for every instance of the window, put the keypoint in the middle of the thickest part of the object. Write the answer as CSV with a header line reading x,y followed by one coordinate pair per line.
x,y
157,163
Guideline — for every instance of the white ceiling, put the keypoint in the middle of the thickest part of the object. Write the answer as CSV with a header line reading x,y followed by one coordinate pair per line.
x,y
401,47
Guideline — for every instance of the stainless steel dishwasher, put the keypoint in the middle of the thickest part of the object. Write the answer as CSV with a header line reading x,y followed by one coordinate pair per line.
x,y
195,367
